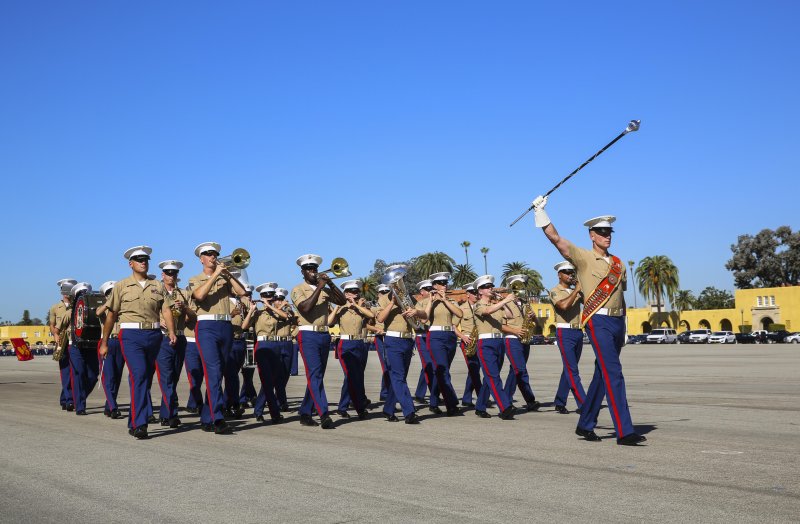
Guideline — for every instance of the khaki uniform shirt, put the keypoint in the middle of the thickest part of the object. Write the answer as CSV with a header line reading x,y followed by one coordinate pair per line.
x,y
237,320
516,321
440,315
286,327
467,322
571,315
591,269
351,323
395,320
57,313
134,303
217,301
266,323
177,295
378,325
188,330
318,316
488,323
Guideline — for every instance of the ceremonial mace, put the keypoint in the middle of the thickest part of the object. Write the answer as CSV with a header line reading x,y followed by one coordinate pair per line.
x,y
633,125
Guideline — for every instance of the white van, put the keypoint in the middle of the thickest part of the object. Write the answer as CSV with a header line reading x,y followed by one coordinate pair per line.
x,y
662,336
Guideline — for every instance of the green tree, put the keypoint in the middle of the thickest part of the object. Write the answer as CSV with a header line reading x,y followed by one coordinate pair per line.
x,y
369,287
463,274
768,259
465,244
534,285
713,298
485,251
657,277
683,300
413,275
430,263
26,319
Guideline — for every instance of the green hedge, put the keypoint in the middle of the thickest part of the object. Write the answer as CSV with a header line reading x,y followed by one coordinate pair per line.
x,y
776,327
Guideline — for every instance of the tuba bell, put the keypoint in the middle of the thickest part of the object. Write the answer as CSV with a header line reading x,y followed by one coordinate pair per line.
x,y
394,278
239,259
339,268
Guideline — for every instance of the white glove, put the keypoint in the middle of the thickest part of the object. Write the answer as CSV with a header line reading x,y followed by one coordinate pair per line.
x,y
540,217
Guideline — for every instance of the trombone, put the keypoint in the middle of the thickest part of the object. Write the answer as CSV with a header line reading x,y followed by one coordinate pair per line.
x,y
239,259
339,268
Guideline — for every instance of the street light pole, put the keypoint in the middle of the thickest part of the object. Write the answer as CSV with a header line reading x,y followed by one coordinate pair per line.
x,y
741,326
631,263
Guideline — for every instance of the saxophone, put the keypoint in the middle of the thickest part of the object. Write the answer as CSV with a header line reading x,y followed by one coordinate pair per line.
x,y
471,349
528,324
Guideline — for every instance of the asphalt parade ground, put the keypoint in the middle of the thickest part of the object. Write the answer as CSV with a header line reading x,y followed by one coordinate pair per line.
x,y
722,424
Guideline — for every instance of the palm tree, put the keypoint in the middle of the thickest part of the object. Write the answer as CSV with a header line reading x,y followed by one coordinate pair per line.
x,y
485,250
463,274
465,244
534,285
631,263
683,300
369,288
435,262
656,278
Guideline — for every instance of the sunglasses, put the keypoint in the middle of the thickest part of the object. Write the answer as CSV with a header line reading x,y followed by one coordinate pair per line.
x,y
140,258
568,271
440,282
309,267
603,231
473,291
383,292
210,253
486,286
428,288
171,272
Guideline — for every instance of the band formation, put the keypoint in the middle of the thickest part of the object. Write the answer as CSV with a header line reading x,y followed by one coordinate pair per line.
x,y
217,332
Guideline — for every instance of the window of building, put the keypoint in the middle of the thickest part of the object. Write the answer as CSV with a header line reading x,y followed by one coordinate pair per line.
x,y
759,301
540,313
23,334
772,300
548,313
37,334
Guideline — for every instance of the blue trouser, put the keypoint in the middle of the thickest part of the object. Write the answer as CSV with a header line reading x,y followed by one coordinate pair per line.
x,y
427,375
248,391
314,348
351,358
214,339
518,354
111,373
397,354
473,382
194,375
85,370
140,348
490,355
570,345
268,363
169,363
287,354
65,372
295,351
441,348
607,335
385,380
233,363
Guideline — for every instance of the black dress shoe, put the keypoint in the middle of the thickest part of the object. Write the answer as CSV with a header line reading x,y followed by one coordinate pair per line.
x,y
81,412
70,407
327,422
284,408
141,432
308,420
455,412
435,409
468,404
343,414
562,409
507,414
412,419
591,436
222,428
260,418
208,428
107,412
130,431
363,414
420,400
278,419
164,421
152,419
115,414
63,407
193,411
482,414
174,422
391,418
367,402
534,406
631,439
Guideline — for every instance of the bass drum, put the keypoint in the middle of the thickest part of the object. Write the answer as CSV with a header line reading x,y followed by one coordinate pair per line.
x,y
86,327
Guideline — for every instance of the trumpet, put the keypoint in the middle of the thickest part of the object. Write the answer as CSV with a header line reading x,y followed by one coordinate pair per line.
x,y
239,259
339,268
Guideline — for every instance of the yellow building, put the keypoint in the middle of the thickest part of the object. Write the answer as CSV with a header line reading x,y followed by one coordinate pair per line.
x,y
31,334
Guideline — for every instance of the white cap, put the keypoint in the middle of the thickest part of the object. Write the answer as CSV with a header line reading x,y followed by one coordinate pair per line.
x,y
80,286
601,221
383,287
564,264
351,284
281,292
309,259
171,264
485,279
269,287
106,287
424,283
206,246
469,287
66,285
515,278
444,275
137,250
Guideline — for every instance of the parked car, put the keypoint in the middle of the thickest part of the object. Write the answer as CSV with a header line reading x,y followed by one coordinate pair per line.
x,y
760,336
746,338
538,340
683,338
777,336
662,336
699,336
636,339
794,338
722,337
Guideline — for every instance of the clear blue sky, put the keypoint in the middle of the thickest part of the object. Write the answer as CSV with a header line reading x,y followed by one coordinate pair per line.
x,y
387,129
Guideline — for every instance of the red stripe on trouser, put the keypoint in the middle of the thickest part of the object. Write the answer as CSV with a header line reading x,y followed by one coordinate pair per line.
x,y
486,374
308,372
609,392
205,371
130,380
357,404
566,365
101,362
428,344
418,344
511,358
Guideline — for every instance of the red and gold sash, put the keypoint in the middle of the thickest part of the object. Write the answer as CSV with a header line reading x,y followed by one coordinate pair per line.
x,y
603,291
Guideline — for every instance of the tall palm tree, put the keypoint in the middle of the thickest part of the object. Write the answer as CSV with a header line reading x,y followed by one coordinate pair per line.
x,y
369,287
683,300
534,285
465,244
463,274
631,263
485,250
657,277
435,262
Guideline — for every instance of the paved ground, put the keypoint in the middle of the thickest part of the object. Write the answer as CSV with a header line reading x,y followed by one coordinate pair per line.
x,y
723,445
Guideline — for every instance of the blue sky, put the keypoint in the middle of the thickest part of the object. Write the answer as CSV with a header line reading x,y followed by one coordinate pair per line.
x,y
387,129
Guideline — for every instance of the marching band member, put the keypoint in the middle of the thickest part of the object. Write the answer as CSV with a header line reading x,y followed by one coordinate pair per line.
x,y
267,351
427,375
569,337
136,303
398,347
59,320
111,367
378,332
604,318
489,316
284,334
464,331
312,298
84,364
518,353
171,356
235,358
192,362
351,319
212,290
440,313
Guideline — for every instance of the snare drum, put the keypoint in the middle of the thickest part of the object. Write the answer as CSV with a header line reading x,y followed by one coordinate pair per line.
x,y
250,355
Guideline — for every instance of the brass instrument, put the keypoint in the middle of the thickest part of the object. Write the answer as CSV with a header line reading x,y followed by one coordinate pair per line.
x,y
528,324
393,277
339,268
239,259
63,336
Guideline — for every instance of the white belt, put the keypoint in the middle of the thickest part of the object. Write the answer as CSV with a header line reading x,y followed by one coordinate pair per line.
x,y
351,337
490,335
611,312
271,338
440,328
319,329
190,339
567,325
400,334
512,336
214,317
139,325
